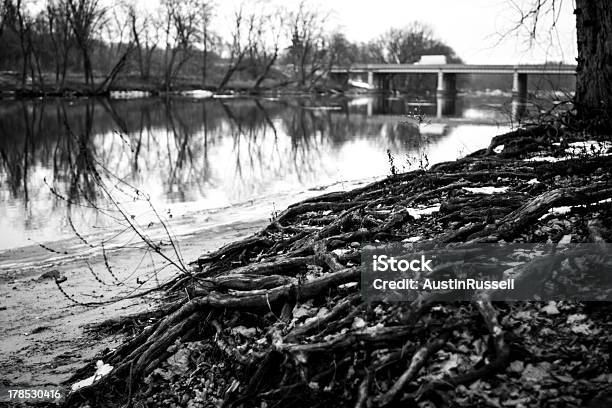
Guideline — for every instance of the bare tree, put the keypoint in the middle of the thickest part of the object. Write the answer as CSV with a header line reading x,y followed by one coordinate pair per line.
x,y
121,43
2,16
406,45
255,42
37,47
208,38
59,32
18,21
342,52
182,31
146,34
266,45
307,52
85,17
239,45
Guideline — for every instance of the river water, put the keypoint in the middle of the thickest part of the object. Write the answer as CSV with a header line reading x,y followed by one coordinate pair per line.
x,y
234,158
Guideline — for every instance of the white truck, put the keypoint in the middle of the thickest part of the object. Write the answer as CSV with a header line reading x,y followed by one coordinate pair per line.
x,y
431,60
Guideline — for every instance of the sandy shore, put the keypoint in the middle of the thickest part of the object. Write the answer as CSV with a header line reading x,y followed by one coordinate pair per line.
x,y
43,336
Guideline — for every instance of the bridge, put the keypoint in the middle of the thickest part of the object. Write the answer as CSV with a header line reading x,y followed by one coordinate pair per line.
x,y
378,75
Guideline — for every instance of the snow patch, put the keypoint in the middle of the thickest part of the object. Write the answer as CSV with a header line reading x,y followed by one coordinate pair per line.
x,y
129,94
577,149
486,189
546,158
566,209
359,102
101,370
331,108
348,285
198,94
419,212
589,147
557,211
499,149
360,84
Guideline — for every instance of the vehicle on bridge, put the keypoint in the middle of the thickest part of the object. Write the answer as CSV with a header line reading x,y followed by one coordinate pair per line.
x,y
432,60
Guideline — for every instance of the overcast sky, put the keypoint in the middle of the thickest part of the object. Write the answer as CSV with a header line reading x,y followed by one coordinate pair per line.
x,y
469,26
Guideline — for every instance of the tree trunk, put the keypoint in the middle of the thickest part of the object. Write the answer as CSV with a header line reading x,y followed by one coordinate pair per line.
x,y
231,70
267,68
110,78
64,65
594,73
136,35
148,61
168,76
204,55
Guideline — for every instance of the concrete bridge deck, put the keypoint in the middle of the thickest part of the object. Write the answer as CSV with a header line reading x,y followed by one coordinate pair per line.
x,y
550,69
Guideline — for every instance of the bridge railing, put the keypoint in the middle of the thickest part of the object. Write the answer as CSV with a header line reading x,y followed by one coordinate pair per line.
x,y
557,69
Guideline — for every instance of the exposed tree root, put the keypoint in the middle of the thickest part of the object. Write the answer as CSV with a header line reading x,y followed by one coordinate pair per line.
x,y
295,283
418,361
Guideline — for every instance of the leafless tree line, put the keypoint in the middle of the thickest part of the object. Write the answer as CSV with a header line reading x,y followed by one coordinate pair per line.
x,y
48,46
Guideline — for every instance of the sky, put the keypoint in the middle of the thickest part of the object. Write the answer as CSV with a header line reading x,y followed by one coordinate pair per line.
x,y
470,27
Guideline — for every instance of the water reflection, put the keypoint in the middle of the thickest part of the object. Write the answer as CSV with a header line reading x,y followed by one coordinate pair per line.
x,y
449,107
208,154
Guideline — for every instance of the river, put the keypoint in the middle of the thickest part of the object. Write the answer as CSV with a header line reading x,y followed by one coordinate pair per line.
x,y
239,157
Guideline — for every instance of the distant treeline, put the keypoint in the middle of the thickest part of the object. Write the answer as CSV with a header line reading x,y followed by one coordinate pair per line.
x,y
88,45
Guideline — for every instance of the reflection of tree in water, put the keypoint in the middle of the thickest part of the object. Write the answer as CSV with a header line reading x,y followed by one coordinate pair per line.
x,y
51,148
255,144
35,135
80,156
183,171
307,134
178,147
16,152
336,127
305,139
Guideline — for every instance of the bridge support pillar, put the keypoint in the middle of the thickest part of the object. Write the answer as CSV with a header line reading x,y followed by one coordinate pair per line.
x,y
371,79
447,84
385,82
519,87
519,109
380,82
445,106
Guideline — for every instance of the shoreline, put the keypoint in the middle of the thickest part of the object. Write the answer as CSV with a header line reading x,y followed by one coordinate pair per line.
x,y
26,273
288,292
509,158
75,88
189,85
45,341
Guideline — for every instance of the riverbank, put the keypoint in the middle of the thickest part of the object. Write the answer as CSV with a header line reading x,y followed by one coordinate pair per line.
x,y
73,86
259,320
45,336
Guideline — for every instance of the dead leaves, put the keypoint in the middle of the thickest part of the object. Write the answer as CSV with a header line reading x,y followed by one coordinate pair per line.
x,y
536,373
550,309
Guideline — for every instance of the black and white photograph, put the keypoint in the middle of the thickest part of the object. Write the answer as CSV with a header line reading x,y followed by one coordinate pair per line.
x,y
306,203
